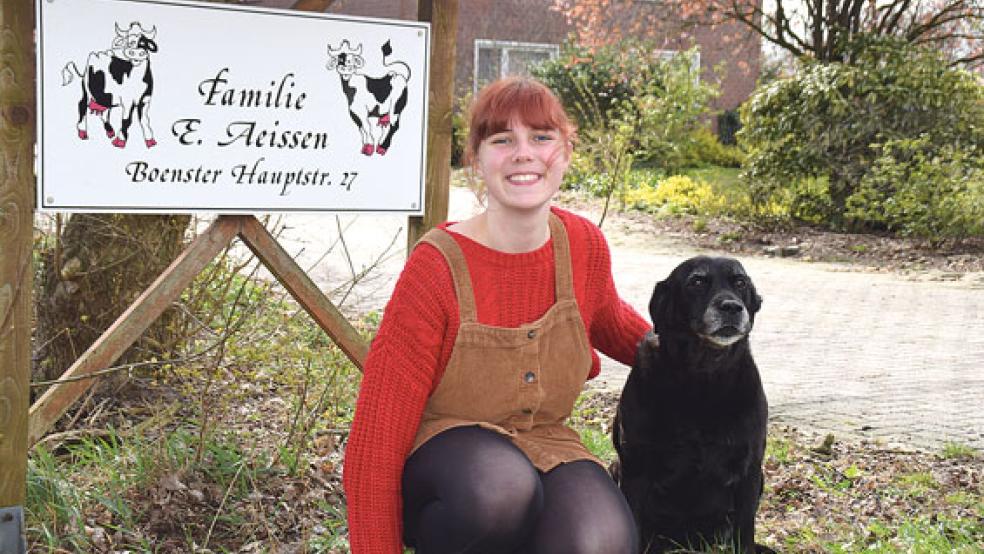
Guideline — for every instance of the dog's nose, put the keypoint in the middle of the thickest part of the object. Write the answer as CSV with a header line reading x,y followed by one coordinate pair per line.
x,y
732,306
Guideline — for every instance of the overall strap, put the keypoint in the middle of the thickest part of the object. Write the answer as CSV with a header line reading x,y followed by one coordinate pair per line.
x,y
563,275
440,239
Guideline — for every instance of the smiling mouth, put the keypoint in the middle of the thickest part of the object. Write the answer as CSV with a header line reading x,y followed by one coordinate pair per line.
x,y
524,178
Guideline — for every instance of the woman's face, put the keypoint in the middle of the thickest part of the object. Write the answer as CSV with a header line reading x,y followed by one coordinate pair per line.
x,y
522,167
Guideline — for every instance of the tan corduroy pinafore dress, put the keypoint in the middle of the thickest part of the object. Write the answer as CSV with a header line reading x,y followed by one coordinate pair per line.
x,y
520,382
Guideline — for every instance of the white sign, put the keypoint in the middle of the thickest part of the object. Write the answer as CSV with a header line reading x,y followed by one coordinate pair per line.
x,y
173,107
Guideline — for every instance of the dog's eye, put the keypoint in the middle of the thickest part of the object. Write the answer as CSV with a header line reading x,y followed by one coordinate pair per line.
x,y
697,281
740,283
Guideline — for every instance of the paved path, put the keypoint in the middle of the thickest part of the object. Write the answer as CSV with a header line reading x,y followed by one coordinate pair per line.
x,y
862,355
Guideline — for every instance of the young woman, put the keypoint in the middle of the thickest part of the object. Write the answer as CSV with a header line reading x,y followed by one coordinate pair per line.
x,y
459,442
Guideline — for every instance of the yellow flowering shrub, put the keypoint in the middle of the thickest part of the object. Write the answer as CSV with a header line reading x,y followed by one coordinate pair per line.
x,y
674,195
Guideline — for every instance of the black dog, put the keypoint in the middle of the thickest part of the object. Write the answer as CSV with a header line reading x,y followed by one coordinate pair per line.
x,y
691,423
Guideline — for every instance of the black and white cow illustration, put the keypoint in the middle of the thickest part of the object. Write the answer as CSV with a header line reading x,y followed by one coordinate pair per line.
x,y
117,85
381,98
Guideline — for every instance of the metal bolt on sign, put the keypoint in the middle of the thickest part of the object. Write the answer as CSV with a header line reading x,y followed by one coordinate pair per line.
x,y
12,531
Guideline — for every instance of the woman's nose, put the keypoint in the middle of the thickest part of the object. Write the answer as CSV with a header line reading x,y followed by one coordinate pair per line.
x,y
522,152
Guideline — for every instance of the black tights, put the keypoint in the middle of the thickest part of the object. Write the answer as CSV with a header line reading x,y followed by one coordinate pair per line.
x,y
470,490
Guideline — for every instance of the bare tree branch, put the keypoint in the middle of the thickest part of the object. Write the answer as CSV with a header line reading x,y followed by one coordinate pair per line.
x,y
818,28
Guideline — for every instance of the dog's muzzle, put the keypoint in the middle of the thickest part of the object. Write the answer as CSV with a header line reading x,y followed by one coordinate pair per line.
x,y
725,321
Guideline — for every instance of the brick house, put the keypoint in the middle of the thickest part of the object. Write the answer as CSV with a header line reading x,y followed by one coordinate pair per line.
x,y
496,37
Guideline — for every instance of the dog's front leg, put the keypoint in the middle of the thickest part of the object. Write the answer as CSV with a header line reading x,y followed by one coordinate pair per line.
x,y
746,505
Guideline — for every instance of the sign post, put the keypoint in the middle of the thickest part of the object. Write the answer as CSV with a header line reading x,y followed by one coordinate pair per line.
x,y
16,234
443,16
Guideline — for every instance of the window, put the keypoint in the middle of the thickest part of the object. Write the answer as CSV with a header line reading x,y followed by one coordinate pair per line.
x,y
497,58
694,61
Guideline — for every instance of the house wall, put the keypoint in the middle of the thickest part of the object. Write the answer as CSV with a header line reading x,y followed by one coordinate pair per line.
x,y
533,21
390,9
733,67
506,20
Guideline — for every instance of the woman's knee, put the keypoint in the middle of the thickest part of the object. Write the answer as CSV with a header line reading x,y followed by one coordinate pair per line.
x,y
506,505
504,494
584,513
485,489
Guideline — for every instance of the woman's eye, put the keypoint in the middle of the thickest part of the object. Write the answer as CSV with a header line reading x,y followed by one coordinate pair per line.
x,y
500,140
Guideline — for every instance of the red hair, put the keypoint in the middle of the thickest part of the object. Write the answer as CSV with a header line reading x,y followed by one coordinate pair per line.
x,y
509,98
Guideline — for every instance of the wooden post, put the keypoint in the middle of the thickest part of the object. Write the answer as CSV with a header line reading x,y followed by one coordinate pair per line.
x,y
16,228
443,16
303,289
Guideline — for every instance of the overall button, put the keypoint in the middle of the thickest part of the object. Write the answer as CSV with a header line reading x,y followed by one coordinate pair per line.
x,y
530,377
531,334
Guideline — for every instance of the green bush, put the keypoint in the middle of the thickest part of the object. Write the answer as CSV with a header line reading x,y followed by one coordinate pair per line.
x,y
809,200
459,130
591,84
920,191
631,90
827,122
704,149
631,105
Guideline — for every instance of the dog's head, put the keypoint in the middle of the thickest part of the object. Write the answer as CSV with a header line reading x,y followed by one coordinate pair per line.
x,y
712,298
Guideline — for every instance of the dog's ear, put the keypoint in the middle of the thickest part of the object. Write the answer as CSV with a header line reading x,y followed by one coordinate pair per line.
x,y
755,303
661,304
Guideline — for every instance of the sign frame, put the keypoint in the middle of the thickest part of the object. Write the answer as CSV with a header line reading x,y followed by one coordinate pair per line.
x,y
375,200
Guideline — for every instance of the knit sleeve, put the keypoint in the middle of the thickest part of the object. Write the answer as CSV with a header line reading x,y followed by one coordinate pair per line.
x,y
400,372
616,327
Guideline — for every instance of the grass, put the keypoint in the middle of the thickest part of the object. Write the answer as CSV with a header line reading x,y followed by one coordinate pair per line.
x,y
778,450
100,482
957,451
917,486
725,180
599,443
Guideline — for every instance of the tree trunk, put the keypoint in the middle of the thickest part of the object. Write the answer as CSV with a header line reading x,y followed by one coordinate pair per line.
x,y
103,262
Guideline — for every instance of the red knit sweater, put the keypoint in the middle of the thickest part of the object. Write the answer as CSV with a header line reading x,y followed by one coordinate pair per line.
x,y
413,345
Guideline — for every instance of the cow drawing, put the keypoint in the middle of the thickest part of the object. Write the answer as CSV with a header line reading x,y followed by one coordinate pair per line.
x,y
381,98
117,85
